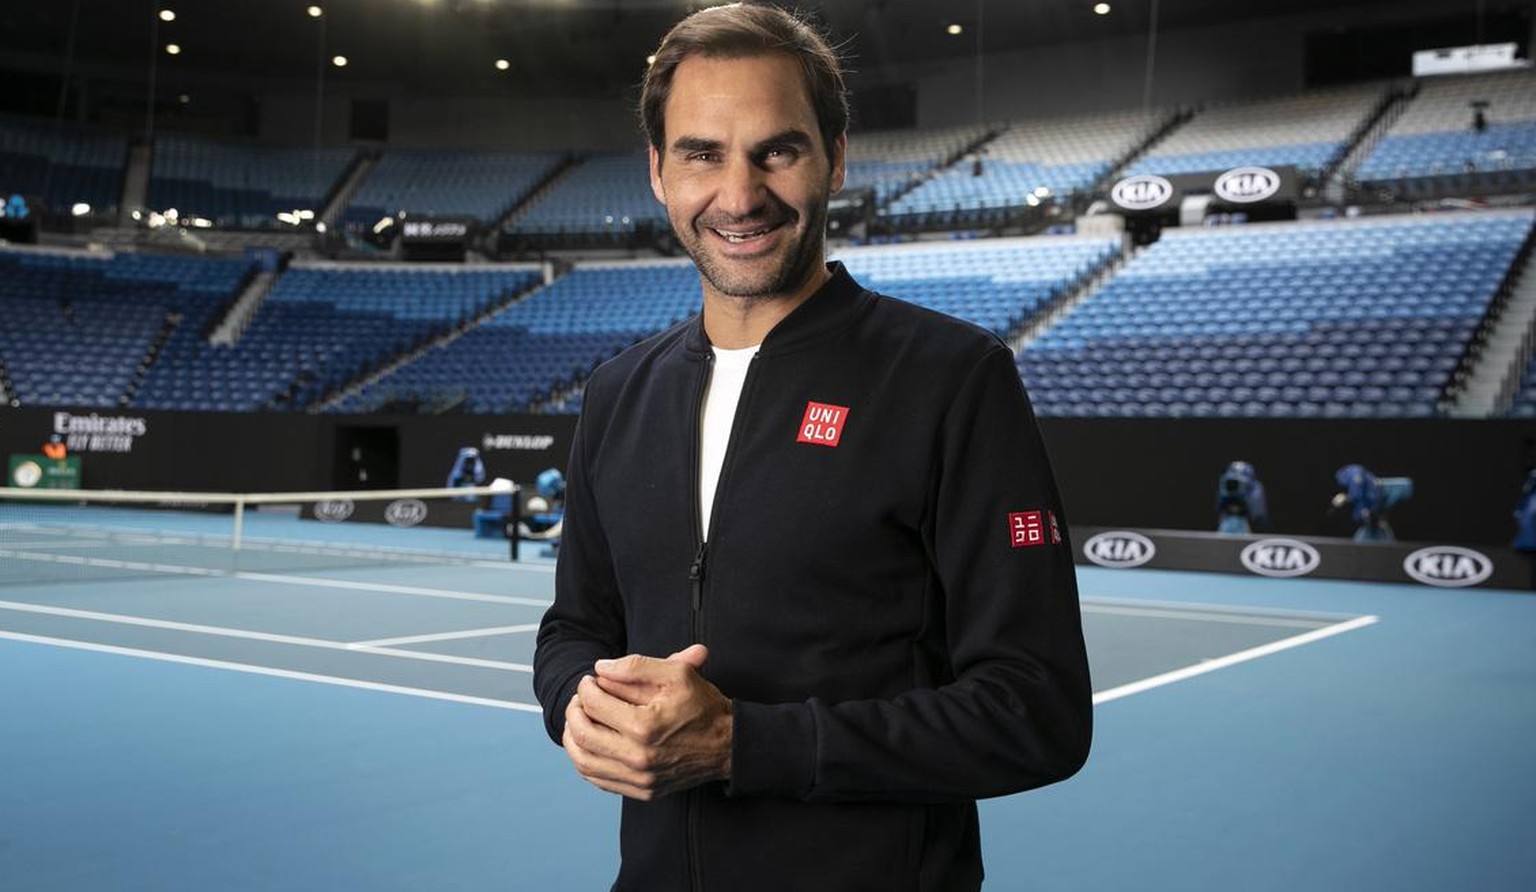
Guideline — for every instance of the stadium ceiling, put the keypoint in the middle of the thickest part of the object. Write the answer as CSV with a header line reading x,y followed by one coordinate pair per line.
x,y
550,47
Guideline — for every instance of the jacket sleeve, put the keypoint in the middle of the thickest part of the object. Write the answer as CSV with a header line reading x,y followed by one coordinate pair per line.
x,y
1018,712
586,622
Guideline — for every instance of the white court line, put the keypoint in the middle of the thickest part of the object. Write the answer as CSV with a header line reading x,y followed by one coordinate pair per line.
x,y
1196,607
322,582
286,579
447,636
1243,656
1205,616
267,670
223,632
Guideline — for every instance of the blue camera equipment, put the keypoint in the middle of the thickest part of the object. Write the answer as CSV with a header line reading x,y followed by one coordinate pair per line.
x,y
1369,499
468,470
1240,501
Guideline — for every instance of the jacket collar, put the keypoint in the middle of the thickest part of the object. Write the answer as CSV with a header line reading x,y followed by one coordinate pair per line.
x,y
834,304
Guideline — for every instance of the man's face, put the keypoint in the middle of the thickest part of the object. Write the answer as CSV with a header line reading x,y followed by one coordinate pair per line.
x,y
744,175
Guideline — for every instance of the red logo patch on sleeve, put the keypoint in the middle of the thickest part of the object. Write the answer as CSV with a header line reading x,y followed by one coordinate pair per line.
x,y
1026,529
1055,528
823,424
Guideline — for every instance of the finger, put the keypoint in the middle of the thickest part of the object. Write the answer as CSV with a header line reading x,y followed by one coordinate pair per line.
x,y
694,655
629,692
607,773
634,667
634,722
599,738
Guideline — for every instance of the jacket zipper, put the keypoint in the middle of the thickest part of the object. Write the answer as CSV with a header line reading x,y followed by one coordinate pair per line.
x,y
696,585
698,570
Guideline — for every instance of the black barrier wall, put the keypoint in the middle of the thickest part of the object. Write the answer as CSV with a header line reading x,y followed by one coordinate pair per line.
x,y
1162,474
247,452
1139,473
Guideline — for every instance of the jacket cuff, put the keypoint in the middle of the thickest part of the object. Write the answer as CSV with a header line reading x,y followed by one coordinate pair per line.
x,y
773,750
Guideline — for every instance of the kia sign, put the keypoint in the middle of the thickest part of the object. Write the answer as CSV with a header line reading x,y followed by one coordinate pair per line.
x,y
1280,557
1448,566
333,511
1119,549
1142,193
1246,185
405,512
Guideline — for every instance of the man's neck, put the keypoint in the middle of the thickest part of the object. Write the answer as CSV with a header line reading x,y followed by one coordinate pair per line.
x,y
733,323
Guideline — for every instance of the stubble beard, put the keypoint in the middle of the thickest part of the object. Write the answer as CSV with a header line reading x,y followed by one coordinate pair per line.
x,y
799,259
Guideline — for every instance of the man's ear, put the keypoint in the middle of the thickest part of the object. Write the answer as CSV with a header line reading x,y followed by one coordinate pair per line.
x,y
656,189
838,152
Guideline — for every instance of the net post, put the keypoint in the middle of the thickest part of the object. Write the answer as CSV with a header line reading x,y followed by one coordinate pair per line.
x,y
515,520
239,521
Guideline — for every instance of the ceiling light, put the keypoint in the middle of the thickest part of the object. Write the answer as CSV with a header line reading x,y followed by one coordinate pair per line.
x,y
502,64
954,29
80,209
339,61
184,98
167,15
651,59
315,12
1101,8
173,48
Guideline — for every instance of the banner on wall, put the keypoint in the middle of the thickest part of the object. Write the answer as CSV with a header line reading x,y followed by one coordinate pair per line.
x,y
1439,566
1235,189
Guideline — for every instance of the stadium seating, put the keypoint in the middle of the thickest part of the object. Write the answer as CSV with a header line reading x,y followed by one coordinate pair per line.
x,y
1434,136
75,329
62,164
1310,131
888,161
241,185
319,328
1342,319
1045,159
548,340
995,284
603,195
482,185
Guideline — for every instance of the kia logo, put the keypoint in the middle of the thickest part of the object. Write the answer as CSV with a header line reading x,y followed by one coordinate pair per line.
x,y
405,512
1141,193
1280,557
1448,566
1245,185
1119,549
333,511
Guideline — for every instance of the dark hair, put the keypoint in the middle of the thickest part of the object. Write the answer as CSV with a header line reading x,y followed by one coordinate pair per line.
x,y
741,30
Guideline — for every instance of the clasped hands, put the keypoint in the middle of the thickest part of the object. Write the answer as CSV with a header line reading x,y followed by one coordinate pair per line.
x,y
644,727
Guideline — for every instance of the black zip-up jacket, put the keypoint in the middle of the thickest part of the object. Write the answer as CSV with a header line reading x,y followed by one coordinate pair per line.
x,y
894,617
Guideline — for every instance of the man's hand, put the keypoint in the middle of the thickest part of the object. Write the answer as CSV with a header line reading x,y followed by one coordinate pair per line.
x,y
644,728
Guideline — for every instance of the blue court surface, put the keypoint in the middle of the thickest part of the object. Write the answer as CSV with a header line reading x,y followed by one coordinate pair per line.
x,y
292,724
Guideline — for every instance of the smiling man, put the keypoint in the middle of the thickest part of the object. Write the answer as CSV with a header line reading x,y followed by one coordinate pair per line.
x,y
815,596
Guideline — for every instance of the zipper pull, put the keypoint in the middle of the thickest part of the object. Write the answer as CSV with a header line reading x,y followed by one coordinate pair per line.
x,y
696,576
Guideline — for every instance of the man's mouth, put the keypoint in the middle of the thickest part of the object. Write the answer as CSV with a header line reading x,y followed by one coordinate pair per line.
x,y
742,236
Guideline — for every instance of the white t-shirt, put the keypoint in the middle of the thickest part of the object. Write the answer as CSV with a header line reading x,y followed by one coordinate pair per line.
x,y
720,399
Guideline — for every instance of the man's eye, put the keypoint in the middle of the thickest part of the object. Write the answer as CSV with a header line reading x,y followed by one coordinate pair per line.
x,y
702,156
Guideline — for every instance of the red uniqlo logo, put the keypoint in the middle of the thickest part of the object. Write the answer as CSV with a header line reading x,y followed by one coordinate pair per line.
x,y
1026,528
823,424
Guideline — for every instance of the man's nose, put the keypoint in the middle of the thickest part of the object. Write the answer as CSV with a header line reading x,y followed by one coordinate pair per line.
x,y
741,188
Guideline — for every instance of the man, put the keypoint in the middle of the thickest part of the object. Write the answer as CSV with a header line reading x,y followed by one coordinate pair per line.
x,y
814,595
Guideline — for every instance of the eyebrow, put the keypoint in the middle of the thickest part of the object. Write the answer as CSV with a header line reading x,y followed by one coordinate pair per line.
x,y
790,138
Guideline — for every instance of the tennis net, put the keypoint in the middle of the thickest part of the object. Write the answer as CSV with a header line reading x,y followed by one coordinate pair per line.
x,y
84,535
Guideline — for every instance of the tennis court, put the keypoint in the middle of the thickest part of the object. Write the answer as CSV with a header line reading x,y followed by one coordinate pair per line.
x,y
357,713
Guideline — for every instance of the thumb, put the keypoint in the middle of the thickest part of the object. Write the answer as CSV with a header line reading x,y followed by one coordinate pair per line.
x,y
694,655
